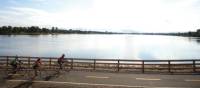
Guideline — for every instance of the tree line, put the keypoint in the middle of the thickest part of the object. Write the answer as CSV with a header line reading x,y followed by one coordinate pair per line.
x,y
194,34
37,30
7,30
189,34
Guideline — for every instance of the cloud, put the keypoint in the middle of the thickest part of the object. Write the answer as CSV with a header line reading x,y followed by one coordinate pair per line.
x,y
20,16
25,10
39,0
111,15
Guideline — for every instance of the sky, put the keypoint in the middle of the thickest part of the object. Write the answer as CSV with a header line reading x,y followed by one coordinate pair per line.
x,y
104,15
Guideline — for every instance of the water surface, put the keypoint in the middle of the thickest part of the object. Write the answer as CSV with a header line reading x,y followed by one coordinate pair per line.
x,y
140,47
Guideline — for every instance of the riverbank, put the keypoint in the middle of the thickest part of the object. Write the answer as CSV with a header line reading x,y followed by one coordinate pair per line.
x,y
36,30
9,30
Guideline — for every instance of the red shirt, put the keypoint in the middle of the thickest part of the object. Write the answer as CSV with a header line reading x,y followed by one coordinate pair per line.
x,y
61,58
38,62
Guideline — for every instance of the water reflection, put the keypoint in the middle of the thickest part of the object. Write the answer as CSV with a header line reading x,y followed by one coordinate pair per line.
x,y
192,39
102,46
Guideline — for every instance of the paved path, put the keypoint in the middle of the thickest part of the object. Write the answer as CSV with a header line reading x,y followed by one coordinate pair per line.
x,y
147,80
125,79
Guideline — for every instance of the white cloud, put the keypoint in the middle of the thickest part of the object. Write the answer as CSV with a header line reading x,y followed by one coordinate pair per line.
x,y
115,15
22,16
151,15
29,11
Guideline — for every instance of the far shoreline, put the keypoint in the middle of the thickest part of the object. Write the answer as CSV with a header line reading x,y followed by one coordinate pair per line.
x,y
38,34
36,30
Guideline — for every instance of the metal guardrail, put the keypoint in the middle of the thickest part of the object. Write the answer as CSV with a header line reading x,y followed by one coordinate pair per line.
x,y
50,63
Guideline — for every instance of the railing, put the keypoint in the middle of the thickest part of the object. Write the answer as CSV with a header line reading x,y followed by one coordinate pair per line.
x,y
50,63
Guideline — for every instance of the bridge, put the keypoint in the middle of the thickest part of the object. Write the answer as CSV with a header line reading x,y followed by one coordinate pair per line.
x,y
117,65
106,73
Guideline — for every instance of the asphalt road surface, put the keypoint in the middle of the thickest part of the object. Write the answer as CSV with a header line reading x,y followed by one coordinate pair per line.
x,y
123,79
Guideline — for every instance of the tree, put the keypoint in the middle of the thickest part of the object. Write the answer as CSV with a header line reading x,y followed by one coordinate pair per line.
x,y
198,31
45,30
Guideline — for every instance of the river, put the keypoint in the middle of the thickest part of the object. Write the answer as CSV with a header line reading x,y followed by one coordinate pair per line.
x,y
102,46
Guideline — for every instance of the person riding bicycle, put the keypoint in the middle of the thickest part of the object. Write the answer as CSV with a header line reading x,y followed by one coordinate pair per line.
x,y
61,61
37,65
14,63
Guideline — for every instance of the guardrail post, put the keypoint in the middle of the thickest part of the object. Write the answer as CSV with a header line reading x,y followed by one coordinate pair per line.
x,y
142,66
50,63
94,64
194,66
7,58
169,66
29,63
29,66
118,65
72,63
